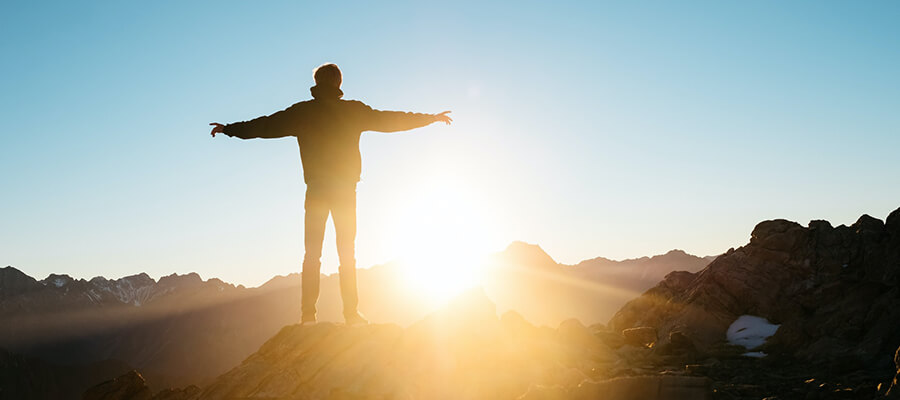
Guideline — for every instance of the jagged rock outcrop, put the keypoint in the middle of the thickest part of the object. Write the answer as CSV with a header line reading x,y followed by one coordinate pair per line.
x,y
834,290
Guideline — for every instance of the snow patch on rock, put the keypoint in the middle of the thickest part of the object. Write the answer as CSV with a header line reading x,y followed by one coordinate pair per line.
x,y
751,332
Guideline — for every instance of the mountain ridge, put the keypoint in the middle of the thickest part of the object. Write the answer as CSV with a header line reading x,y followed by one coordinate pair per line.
x,y
521,248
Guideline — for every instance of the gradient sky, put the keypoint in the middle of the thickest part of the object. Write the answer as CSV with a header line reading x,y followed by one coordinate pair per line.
x,y
593,129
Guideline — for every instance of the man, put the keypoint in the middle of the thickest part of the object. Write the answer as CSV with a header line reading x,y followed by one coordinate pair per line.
x,y
328,129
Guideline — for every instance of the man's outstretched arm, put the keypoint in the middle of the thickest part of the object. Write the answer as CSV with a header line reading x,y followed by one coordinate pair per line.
x,y
395,121
280,124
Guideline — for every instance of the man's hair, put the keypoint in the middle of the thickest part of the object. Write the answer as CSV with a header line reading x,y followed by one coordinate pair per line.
x,y
327,75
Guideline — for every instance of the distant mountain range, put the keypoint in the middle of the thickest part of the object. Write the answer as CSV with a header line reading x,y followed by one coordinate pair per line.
x,y
183,330
525,279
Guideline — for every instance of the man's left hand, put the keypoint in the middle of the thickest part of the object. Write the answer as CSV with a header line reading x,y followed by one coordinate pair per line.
x,y
217,128
443,117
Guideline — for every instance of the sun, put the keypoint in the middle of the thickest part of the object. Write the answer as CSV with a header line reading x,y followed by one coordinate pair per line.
x,y
443,238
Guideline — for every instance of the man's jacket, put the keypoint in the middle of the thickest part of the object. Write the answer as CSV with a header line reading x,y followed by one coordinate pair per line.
x,y
328,130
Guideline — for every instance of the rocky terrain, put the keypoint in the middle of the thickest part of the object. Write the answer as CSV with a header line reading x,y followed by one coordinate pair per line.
x,y
826,295
834,290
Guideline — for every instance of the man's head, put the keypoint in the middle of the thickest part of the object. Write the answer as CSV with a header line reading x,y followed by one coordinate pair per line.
x,y
328,75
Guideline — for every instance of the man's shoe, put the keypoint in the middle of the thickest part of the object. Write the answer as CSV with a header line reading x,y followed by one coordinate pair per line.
x,y
355,320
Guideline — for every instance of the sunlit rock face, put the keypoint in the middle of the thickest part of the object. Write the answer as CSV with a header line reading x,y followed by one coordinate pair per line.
x,y
833,290
461,352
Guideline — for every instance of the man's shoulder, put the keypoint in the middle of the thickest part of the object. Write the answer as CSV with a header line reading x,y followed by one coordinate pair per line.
x,y
304,103
355,103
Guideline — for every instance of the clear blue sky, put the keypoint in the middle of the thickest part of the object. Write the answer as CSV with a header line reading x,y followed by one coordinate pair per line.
x,y
590,128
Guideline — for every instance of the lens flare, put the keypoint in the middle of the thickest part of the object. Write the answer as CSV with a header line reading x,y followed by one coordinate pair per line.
x,y
443,239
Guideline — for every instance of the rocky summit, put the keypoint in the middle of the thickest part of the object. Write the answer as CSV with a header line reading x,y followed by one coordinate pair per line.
x,y
462,352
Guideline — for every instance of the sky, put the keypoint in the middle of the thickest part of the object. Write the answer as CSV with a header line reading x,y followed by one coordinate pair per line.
x,y
614,129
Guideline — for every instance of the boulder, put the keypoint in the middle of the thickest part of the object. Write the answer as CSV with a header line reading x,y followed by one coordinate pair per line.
x,y
642,336
892,222
777,235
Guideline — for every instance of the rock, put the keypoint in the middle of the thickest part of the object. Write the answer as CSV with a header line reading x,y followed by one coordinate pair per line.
x,y
641,336
892,222
894,391
679,280
779,234
696,369
612,339
820,225
462,351
868,223
630,388
189,393
836,290
130,386
679,341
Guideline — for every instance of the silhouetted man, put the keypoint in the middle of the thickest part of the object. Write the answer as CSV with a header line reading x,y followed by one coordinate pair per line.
x,y
327,129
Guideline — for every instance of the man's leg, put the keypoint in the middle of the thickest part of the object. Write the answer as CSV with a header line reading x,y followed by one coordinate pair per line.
x,y
343,212
316,206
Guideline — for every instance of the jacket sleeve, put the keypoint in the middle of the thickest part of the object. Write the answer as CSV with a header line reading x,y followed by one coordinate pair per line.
x,y
393,121
283,123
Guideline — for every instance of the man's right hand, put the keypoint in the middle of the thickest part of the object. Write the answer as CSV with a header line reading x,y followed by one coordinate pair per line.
x,y
443,117
217,128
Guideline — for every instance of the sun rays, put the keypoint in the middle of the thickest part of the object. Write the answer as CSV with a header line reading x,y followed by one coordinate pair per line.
x,y
443,237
